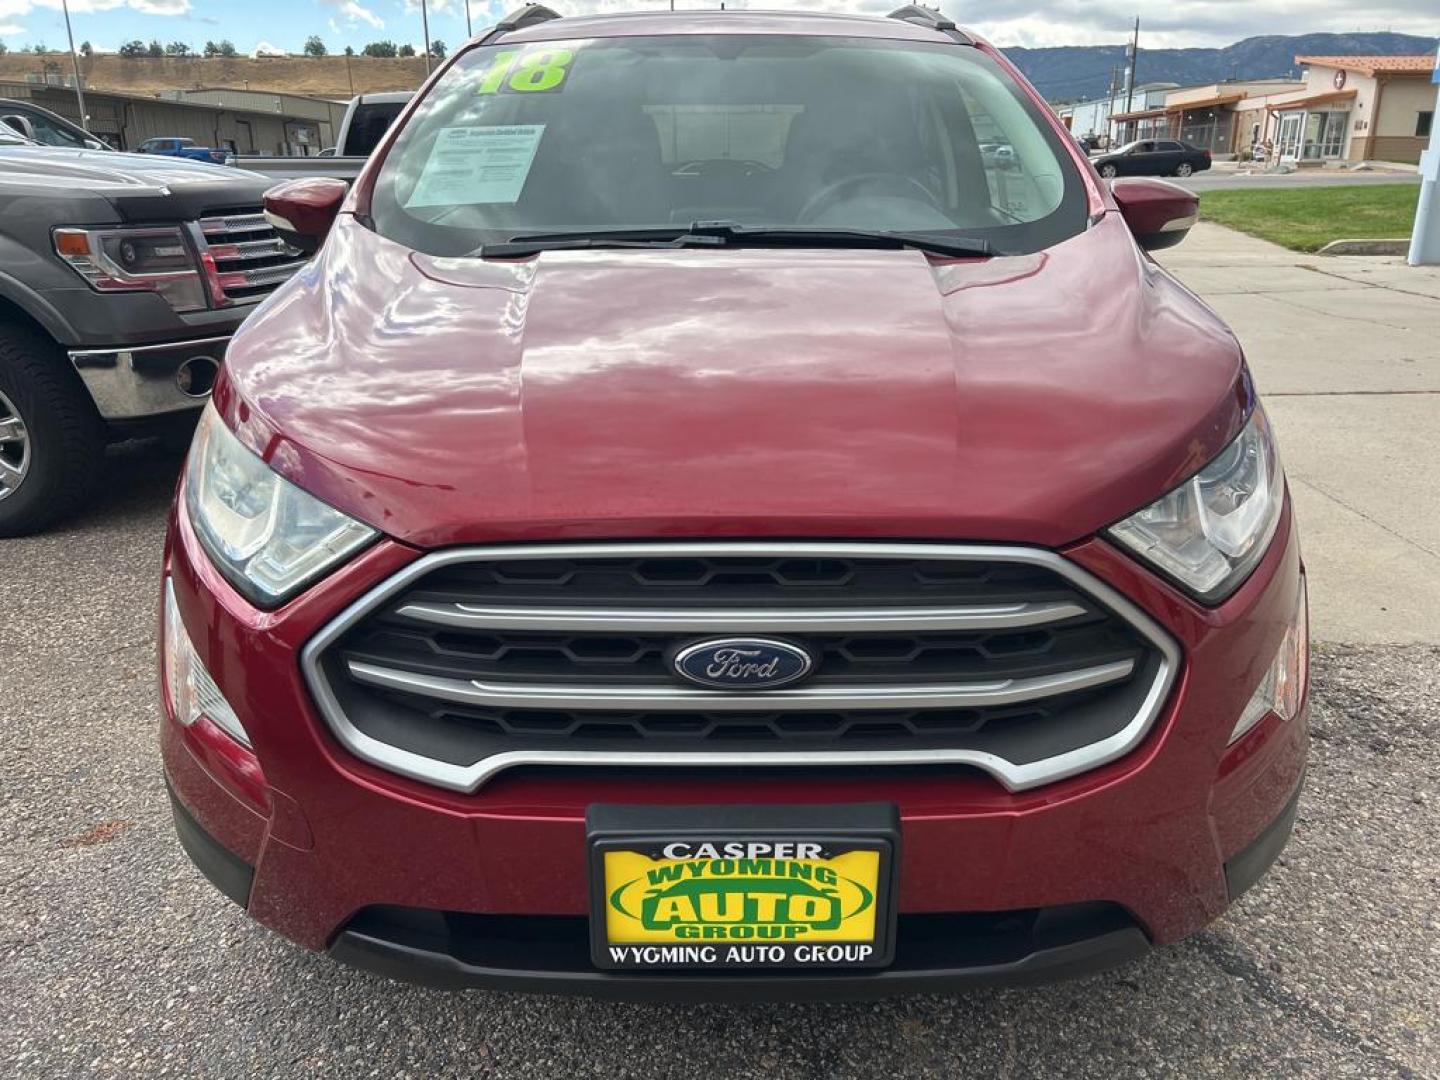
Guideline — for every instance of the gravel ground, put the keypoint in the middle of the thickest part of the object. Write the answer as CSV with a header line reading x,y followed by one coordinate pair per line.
x,y
118,959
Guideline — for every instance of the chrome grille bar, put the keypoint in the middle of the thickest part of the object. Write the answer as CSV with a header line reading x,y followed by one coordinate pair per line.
x,y
955,696
230,223
740,621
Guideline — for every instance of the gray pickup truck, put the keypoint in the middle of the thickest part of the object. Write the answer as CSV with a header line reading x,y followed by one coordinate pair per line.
x,y
122,278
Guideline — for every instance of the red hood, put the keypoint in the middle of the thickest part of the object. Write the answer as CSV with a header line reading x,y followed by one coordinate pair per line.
x,y
613,394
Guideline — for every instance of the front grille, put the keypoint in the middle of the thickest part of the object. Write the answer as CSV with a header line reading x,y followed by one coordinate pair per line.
x,y
1009,659
250,258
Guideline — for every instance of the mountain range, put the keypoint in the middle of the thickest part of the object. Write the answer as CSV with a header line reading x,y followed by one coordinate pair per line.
x,y
1078,72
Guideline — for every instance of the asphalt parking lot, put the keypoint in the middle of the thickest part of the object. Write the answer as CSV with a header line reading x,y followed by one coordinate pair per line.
x,y
117,959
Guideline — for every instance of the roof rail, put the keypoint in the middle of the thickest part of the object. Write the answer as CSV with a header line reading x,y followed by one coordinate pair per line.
x,y
922,16
528,15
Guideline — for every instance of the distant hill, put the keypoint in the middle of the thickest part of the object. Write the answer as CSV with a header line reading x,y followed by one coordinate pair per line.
x,y
1083,71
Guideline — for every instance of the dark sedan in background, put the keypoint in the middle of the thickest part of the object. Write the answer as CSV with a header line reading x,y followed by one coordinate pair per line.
x,y
1153,157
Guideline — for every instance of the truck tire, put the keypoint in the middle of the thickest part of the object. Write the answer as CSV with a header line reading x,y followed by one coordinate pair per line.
x,y
51,439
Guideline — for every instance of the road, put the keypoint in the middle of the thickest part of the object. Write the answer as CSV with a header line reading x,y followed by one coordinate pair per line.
x,y
118,960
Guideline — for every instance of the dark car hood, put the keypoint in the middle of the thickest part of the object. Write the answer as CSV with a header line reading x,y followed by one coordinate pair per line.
x,y
596,394
141,187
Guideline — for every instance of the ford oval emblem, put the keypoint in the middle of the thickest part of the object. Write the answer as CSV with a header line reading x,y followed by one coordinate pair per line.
x,y
742,663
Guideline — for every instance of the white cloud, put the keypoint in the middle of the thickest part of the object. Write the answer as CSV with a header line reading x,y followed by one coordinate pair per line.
x,y
264,48
354,13
11,29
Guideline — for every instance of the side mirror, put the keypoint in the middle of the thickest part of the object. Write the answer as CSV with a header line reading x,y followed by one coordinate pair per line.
x,y
1159,213
302,211
20,124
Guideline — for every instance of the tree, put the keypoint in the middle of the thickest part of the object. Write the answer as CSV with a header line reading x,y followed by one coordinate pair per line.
x,y
438,49
227,49
315,47
4,48
406,50
131,49
177,48
349,50
380,48
154,49
86,49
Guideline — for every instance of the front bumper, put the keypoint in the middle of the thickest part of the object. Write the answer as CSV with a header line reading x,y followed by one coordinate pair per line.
x,y
415,881
128,382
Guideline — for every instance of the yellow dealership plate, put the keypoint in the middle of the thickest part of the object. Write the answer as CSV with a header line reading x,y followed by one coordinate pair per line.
x,y
716,888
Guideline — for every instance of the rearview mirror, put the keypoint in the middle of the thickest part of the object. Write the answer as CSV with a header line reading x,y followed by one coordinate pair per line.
x,y
1160,214
302,211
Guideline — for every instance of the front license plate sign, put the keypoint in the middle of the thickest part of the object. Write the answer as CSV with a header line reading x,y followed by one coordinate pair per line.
x,y
717,888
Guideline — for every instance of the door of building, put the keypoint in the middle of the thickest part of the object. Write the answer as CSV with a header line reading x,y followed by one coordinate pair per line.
x,y
1288,143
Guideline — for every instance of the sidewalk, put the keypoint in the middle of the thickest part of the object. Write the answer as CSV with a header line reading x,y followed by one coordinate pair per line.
x,y
1346,354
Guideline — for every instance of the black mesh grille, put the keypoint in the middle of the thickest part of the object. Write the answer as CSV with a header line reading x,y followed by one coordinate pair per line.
x,y
739,581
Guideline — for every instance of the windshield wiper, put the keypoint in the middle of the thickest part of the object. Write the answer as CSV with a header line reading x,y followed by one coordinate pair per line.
x,y
730,233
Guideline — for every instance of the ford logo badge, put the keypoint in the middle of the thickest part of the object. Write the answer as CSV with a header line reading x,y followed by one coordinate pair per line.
x,y
742,663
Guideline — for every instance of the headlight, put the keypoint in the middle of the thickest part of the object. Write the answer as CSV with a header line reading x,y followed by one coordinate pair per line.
x,y
268,538
193,692
1209,533
135,260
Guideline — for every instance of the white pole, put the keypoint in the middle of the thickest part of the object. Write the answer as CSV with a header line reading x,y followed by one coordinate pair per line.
x,y
425,23
468,32
75,61
1425,240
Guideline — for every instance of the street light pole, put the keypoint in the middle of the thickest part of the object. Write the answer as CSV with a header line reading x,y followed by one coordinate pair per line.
x,y
75,60
1425,240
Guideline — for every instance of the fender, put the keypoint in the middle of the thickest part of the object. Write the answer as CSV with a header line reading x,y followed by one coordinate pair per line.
x,y
37,307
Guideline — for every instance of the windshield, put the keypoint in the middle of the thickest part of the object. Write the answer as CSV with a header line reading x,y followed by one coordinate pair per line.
x,y
788,131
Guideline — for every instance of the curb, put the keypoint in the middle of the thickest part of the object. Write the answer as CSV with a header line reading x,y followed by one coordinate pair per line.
x,y
1365,247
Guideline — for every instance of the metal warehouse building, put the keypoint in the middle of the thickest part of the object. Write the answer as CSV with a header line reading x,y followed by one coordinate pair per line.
x,y
245,121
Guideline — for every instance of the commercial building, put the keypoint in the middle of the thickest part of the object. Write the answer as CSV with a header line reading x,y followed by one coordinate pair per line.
x,y
246,122
1095,118
1353,108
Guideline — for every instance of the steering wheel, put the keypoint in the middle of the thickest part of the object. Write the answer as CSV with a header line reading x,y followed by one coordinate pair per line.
x,y
834,192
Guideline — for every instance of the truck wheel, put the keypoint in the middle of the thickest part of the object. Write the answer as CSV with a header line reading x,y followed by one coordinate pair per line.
x,y
51,440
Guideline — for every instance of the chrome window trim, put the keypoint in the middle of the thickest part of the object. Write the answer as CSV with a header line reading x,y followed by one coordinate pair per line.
x,y
1015,777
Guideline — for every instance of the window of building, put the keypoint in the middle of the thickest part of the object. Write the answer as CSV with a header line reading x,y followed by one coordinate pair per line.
x,y
1424,122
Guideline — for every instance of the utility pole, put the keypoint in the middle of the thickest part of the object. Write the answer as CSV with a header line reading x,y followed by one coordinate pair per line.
x,y
1134,55
469,33
425,25
1425,240
75,60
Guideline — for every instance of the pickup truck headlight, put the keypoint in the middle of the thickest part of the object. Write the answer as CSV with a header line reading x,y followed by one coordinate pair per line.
x,y
154,260
268,538
1211,531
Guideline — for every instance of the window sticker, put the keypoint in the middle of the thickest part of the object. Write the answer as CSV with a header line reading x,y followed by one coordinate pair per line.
x,y
477,165
534,71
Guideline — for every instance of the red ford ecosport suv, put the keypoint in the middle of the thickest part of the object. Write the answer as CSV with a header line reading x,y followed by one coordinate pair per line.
x,y
707,523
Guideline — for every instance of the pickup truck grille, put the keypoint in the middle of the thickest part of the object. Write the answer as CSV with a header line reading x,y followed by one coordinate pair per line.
x,y
250,259
1008,659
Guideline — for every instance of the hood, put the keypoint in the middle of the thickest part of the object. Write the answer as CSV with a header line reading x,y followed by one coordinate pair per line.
x,y
732,392
141,187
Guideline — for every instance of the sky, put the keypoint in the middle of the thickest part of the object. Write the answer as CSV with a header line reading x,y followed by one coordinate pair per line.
x,y
283,25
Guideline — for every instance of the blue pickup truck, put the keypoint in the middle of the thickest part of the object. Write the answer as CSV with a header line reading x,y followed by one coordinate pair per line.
x,y
185,148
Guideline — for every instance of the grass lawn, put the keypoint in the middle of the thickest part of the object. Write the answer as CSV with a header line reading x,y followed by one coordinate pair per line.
x,y
1306,219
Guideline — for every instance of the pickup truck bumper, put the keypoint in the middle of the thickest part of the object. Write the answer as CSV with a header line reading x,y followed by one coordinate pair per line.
x,y
132,381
